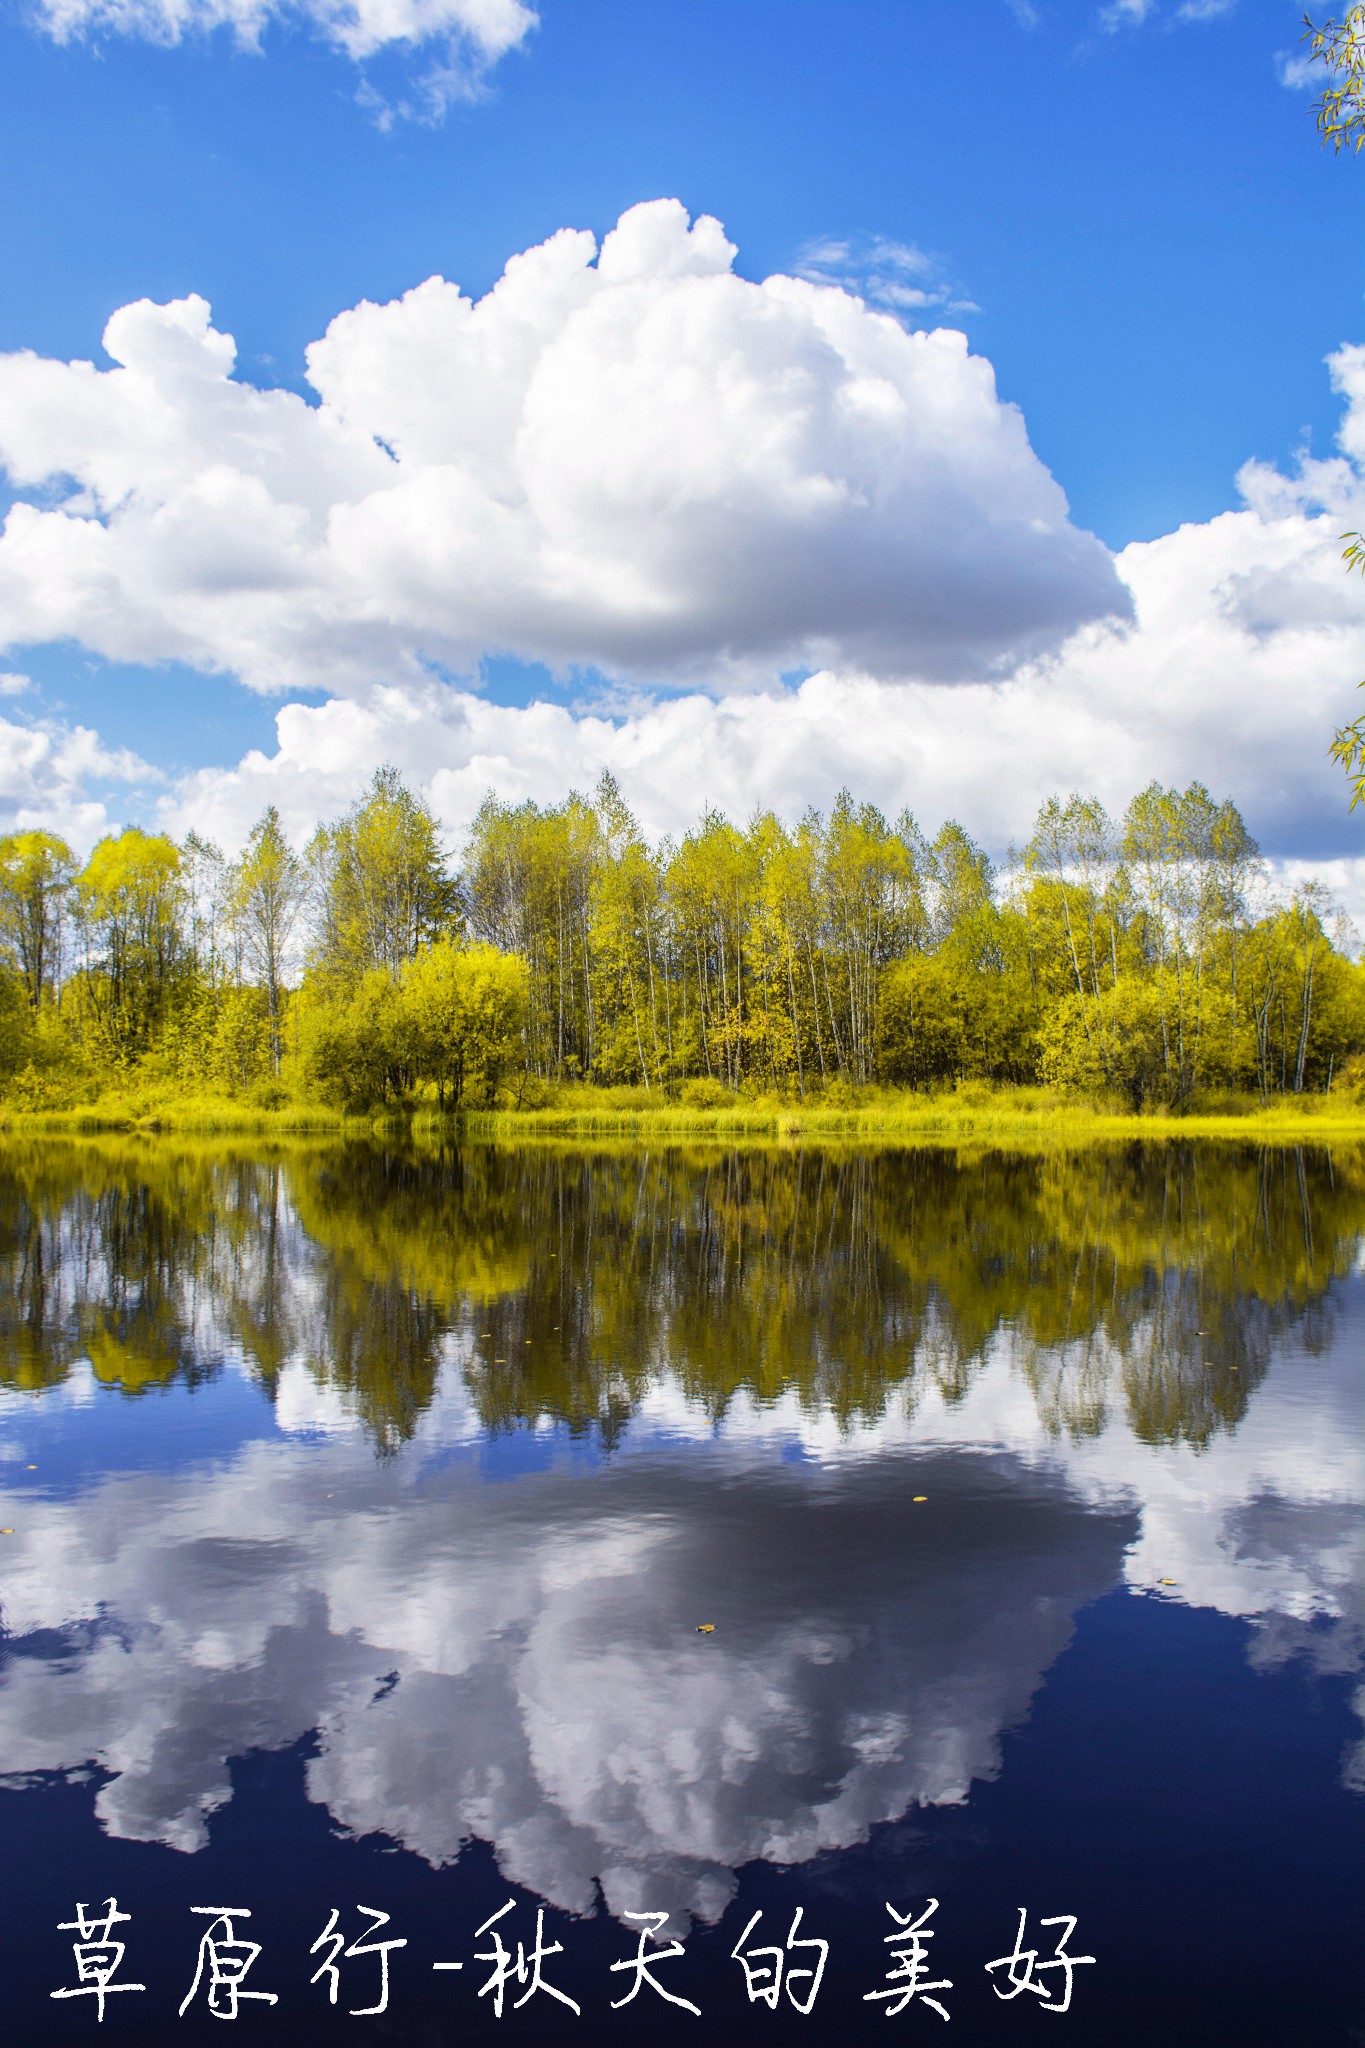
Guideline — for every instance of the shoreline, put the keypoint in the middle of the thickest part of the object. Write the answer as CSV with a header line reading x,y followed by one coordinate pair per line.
x,y
1026,1117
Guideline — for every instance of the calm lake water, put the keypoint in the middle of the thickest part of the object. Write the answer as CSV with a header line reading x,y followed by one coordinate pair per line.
x,y
362,1509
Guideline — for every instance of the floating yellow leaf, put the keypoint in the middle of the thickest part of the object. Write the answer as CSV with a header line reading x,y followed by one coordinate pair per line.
x,y
1168,1582
6,1532
921,1496
706,1628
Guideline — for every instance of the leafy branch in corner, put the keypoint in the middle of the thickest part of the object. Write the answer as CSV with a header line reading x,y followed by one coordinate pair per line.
x,y
1340,109
1349,745
1340,45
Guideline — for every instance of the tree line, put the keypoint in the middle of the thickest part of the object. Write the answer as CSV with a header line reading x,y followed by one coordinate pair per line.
x,y
1143,958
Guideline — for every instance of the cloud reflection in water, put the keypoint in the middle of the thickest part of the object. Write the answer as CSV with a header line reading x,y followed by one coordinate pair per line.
x,y
518,1661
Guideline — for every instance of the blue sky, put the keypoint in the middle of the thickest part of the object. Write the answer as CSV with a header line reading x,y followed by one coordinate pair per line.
x,y
1126,212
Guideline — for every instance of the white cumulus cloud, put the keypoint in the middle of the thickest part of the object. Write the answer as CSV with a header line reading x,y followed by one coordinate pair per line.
x,y
47,769
630,458
634,461
1246,639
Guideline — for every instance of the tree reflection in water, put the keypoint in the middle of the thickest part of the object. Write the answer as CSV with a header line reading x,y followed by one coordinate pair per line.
x,y
1148,1280
783,1352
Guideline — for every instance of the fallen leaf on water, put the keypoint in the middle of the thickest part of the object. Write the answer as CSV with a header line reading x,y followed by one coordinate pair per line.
x,y
921,1496
6,1532
1168,1582
706,1628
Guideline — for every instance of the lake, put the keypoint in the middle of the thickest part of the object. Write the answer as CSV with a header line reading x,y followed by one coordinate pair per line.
x,y
510,1541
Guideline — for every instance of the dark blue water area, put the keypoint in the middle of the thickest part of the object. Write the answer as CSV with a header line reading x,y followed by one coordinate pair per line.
x,y
1052,1607
1186,1808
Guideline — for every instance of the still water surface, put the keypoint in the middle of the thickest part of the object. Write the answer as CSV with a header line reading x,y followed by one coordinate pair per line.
x,y
365,1506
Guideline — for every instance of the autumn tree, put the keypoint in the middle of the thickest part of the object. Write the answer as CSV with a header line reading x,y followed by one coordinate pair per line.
x,y
1188,859
459,1016
529,881
267,889
130,914
35,879
381,882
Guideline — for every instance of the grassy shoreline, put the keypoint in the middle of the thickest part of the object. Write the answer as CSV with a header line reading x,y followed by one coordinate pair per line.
x,y
974,1114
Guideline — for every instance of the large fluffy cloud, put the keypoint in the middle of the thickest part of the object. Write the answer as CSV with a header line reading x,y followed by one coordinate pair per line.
x,y
1245,637
631,458
634,460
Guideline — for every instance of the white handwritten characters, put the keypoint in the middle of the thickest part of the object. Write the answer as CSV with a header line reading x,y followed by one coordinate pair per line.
x,y
97,1955
525,1968
336,1945
765,1969
1025,1970
228,1961
909,1941
643,1963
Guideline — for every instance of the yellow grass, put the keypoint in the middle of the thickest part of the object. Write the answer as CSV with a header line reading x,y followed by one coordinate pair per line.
x,y
971,1114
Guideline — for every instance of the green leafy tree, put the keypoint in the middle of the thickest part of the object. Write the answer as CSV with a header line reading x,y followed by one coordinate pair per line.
x,y
354,1046
382,885
962,879
1075,849
130,902
872,887
922,1034
267,889
529,882
1189,860
209,940
35,882
713,883
460,1014
16,1026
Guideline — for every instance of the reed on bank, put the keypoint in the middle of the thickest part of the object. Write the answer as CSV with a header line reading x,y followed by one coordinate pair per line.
x,y
971,1111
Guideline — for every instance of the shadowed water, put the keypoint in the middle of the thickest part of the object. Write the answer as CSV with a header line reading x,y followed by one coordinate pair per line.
x,y
365,1505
